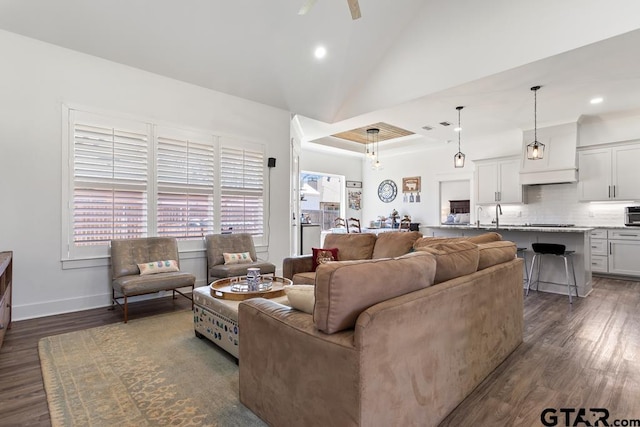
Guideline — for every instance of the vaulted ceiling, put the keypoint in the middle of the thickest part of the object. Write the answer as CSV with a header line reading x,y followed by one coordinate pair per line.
x,y
405,62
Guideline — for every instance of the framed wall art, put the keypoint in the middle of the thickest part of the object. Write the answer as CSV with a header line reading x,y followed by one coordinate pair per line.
x,y
411,189
411,184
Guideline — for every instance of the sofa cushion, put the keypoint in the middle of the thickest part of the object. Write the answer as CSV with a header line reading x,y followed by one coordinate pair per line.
x,y
156,267
453,258
430,241
344,289
351,246
306,278
494,253
322,255
301,297
394,244
491,236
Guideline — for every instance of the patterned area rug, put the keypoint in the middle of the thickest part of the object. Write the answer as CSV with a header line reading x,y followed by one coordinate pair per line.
x,y
148,372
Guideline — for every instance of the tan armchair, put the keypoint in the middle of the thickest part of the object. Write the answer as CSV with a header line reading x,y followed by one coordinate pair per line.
x,y
218,244
127,281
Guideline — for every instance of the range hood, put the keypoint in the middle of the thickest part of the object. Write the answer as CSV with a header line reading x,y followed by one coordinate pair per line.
x,y
559,164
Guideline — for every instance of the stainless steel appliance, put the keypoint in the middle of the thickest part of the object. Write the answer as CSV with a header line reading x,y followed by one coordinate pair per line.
x,y
632,216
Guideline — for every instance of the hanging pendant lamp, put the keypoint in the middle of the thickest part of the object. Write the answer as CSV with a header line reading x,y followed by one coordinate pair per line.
x,y
372,139
370,146
535,150
458,159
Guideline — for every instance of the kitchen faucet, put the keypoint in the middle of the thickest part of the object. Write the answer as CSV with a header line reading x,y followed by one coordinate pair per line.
x,y
478,216
498,210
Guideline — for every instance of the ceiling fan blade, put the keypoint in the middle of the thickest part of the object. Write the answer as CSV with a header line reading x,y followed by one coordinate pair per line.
x,y
354,7
306,7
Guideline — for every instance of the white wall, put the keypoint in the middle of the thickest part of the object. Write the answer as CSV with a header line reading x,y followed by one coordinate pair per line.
x,y
36,79
432,165
546,204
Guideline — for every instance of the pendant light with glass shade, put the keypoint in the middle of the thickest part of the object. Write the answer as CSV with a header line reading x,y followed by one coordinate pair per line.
x,y
458,159
535,150
370,146
372,153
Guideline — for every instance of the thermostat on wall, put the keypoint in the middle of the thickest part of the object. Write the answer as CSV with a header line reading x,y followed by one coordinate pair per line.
x,y
354,184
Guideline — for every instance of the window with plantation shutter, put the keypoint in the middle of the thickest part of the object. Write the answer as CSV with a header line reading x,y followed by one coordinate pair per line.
x,y
185,176
242,189
109,197
127,178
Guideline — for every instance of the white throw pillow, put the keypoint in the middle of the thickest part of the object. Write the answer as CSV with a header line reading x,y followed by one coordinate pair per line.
x,y
155,267
301,297
236,258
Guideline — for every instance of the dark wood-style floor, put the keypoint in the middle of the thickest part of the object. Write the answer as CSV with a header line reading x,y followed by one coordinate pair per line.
x,y
586,356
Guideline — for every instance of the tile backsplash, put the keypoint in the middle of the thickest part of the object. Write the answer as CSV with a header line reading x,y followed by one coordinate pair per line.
x,y
558,204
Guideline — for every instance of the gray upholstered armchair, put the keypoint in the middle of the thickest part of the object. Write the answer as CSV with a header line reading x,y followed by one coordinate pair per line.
x,y
219,244
129,256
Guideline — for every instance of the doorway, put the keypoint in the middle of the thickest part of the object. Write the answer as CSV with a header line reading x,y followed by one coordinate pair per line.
x,y
455,202
321,199
321,202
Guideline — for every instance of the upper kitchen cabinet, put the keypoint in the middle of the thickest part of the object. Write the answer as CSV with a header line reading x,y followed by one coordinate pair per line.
x,y
609,173
559,162
498,180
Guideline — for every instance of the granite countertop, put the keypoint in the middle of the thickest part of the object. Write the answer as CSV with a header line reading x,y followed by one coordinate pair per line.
x,y
507,227
613,227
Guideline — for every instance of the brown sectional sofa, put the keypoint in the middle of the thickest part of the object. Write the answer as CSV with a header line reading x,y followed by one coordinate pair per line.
x,y
353,246
386,344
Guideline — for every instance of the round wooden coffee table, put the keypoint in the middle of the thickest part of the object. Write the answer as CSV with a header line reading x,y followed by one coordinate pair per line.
x,y
222,288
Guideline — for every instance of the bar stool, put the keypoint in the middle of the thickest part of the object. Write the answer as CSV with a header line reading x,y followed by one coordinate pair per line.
x,y
541,249
522,253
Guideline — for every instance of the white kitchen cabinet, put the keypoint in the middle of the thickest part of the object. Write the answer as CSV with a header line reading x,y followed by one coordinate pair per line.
x,y
498,181
616,251
599,251
609,173
624,256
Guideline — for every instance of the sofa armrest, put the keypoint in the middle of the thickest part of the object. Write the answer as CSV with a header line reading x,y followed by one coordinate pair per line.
x,y
444,340
298,264
282,354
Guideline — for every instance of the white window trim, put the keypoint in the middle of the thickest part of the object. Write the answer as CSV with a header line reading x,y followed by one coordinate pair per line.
x,y
194,248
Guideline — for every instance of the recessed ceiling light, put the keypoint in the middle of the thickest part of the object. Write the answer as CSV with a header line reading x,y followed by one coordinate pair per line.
x,y
597,100
320,52
457,129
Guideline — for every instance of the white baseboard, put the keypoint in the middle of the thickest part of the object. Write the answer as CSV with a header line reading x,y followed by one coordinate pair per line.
x,y
70,305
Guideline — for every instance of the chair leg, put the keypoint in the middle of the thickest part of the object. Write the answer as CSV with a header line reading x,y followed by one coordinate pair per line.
x,y
530,274
575,282
566,270
126,311
113,300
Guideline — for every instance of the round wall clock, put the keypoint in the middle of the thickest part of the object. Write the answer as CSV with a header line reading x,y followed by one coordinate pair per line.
x,y
387,191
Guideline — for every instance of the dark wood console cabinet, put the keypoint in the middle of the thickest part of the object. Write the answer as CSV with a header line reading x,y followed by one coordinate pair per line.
x,y
6,267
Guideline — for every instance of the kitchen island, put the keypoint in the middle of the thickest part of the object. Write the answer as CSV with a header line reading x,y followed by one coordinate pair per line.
x,y
576,239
